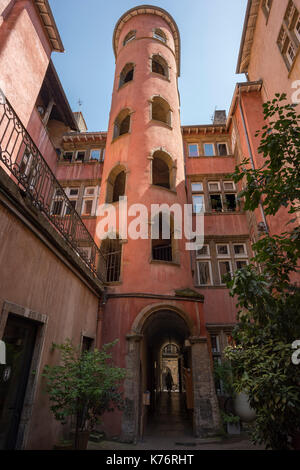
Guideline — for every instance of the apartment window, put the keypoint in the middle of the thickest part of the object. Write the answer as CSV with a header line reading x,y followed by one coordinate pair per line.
x,y
198,204
204,273
203,252
162,231
223,250
129,37
159,34
215,343
224,269
239,250
297,29
89,201
209,150
72,194
68,156
291,52
112,251
58,203
229,186
214,186
241,263
216,202
80,155
197,187
193,150
230,202
95,154
222,150
289,35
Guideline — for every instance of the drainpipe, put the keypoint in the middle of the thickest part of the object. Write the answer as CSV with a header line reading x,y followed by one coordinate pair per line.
x,y
251,156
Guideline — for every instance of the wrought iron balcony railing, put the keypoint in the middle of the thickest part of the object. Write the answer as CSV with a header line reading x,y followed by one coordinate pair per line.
x,y
30,171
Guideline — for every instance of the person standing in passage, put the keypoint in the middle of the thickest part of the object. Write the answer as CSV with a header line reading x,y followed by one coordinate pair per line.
x,y
169,382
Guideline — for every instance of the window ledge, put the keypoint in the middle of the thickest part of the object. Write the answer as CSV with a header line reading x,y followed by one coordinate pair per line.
x,y
164,124
120,137
211,287
88,216
114,283
170,263
212,156
173,191
224,213
159,75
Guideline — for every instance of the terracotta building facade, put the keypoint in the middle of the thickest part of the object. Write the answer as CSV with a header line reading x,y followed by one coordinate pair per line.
x,y
59,278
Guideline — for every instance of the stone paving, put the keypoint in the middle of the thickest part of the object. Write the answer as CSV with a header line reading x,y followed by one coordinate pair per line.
x,y
170,429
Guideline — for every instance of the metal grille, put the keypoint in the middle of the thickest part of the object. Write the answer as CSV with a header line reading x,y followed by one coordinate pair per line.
x,y
30,171
162,253
112,250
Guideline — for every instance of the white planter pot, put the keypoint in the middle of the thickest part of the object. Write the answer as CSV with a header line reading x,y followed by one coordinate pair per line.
x,y
243,409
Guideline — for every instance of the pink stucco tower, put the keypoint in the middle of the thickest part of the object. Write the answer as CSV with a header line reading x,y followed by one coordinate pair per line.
x,y
149,282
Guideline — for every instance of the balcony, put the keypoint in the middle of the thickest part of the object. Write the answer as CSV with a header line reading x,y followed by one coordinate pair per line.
x,y
29,170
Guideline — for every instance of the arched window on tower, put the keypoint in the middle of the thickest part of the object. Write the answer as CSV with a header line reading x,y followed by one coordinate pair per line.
x,y
122,123
112,252
116,184
129,37
160,66
164,246
126,74
160,110
159,34
163,170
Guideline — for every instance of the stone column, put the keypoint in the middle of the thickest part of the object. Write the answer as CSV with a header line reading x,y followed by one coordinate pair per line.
x,y
206,418
130,421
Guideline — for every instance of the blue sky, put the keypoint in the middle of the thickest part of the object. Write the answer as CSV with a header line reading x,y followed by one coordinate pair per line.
x,y
210,39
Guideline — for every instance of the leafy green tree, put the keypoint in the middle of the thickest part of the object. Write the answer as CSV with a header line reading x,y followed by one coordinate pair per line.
x,y
268,301
83,386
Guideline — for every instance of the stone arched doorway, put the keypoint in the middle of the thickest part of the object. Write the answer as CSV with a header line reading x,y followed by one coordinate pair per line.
x,y
155,327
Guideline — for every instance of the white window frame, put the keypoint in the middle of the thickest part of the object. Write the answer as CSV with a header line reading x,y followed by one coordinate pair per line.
x,y
213,146
89,197
289,58
231,189
222,143
95,159
193,156
204,256
214,182
221,255
240,259
80,151
197,190
242,255
210,272
223,260
203,205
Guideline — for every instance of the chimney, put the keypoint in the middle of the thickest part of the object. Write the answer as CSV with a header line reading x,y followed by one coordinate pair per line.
x,y
220,117
80,121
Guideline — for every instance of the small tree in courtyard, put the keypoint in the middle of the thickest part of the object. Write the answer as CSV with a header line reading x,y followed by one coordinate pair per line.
x,y
267,299
83,386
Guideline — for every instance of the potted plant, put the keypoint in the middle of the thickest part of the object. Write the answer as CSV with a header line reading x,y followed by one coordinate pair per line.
x,y
232,423
82,387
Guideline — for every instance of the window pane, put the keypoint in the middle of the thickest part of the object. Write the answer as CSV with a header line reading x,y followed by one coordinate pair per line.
x,y
80,156
222,250
241,264
214,186
87,207
198,204
216,203
224,267
222,148
74,192
197,187
215,345
229,185
193,150
204,273
204,251
209,150
239,249
95,155
230,202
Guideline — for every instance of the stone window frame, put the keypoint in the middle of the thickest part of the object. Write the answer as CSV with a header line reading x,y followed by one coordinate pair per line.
x,y
205,180
174,241
167,124
164,63
122,85
214,258
116,124
287,37
130,38
160,35
170,162
41,321
266,8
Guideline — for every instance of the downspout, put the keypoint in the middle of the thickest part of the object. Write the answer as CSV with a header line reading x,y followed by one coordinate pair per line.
x,y
251,155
